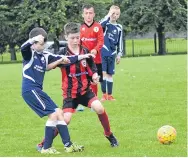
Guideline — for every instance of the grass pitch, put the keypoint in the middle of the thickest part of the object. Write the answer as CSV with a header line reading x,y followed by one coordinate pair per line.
x,y
150,92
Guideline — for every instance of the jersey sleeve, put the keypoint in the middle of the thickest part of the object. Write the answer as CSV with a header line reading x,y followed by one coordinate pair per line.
x,y
59,55
100,39
120,43
104,21
53,58
26,49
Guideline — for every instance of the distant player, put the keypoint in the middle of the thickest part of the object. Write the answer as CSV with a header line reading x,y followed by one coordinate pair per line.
x,y
76,80
91,35
111,50
35,62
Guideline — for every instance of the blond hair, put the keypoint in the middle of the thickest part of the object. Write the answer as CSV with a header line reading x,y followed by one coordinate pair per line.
x,y
115,7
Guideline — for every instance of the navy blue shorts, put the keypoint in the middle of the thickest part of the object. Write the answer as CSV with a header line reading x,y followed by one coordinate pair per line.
x,y
39,102
108,64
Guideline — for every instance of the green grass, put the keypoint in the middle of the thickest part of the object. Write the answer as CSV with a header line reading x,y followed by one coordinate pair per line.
x,y
150,92
141,47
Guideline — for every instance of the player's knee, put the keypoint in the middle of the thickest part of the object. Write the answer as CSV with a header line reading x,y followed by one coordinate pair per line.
x,y
97,107
53,116
67,117
67,120
109,76
59,113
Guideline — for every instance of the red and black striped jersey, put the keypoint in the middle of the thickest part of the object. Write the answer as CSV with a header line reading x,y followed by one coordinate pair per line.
x,y
76,78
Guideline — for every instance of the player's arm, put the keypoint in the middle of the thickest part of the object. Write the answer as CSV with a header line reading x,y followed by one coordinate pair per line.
x,y
59,60
100,41
26,47
120,46
92,71
106,19
64,61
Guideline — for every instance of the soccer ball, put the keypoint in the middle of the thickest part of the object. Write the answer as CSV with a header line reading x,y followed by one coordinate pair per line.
x,y
166,134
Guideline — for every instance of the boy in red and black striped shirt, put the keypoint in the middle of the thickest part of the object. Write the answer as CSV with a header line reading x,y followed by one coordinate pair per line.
x,y
76,80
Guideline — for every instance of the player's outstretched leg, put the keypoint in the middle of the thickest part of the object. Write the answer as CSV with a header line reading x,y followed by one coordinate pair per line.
x,y
103,117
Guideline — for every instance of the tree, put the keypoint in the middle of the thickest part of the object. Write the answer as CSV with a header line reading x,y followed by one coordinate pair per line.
x,y
74,9
10,34
42,13
161,15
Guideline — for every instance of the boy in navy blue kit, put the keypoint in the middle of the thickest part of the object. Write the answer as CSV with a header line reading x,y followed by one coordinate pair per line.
x,y
35,62
111,50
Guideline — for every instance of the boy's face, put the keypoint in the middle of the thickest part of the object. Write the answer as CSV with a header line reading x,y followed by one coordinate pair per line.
x,y
73,39
115,15
39,46
88,15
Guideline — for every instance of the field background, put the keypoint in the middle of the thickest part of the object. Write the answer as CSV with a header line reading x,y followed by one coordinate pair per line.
x,y
150,92
141,47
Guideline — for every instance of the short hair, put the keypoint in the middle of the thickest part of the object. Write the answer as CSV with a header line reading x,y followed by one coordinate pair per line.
x,y
87,6
38,31
71,27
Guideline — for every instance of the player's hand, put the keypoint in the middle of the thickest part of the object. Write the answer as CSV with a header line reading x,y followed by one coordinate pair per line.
x,y
38,38
93,51
64,60
111,12
84,56
89,55
118,58
95,78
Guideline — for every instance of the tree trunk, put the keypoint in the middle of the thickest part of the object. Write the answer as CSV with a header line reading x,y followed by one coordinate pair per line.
x,y
56,41
56,45
12,52
161,40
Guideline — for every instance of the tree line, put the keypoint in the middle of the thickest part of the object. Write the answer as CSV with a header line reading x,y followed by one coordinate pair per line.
x,y
18,17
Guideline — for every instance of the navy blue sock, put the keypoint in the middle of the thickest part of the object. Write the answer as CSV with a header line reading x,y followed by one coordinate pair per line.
x,y
64,133
103,85
109,87
49,134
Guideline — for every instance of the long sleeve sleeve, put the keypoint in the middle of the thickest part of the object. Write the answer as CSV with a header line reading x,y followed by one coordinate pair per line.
x,y
120,42
91,67
26,49
104,21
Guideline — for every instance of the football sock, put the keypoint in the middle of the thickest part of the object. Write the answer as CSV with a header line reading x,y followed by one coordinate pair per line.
x,y
109,86
94,89
103,85
105,123
55,134
49,133
64,133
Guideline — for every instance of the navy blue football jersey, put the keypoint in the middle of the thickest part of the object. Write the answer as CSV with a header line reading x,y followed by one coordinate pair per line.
x,y
113,38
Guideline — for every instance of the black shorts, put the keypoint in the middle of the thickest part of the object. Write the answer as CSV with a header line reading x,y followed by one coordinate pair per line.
x,y
70,104
99,71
